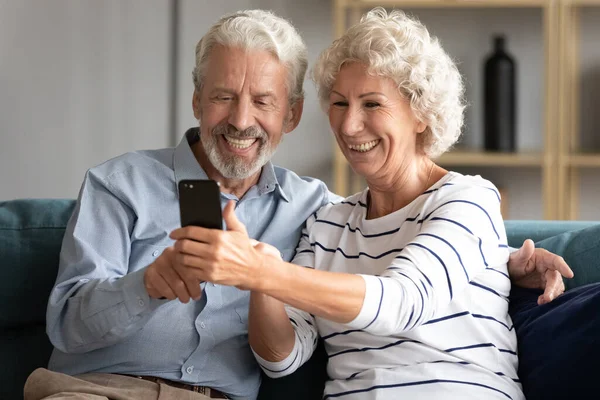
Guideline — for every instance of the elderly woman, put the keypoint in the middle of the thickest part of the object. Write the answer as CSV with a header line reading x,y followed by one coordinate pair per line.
x,y
407,281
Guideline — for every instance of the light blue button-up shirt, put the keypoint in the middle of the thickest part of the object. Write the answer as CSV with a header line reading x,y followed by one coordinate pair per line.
x,y
100,317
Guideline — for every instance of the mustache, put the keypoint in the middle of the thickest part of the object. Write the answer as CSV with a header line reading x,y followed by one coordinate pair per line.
x,y
250,132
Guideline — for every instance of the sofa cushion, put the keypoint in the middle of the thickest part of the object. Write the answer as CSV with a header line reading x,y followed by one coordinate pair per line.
x,y
31,233
559,342
581,250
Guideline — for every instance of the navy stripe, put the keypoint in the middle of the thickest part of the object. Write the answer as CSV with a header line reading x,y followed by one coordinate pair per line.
x,y
513,379
441,262
468,230
500,272
454,222
360,203
452,247
363,349
411,261
281,370
341,333
493,319
479,285
464,313
306,251
365,235
436,189
412,219
413,384
304,235
495,192
378,308
466,202
447,317
443,362
422,301
481,252
358,255
479,346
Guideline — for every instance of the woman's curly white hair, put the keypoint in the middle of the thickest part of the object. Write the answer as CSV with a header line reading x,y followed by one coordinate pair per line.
x,y
399,47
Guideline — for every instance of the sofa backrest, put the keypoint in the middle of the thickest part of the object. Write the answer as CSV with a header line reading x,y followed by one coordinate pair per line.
x,y
31,232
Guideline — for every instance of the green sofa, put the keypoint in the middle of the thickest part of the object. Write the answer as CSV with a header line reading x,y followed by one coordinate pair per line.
x,y
31,231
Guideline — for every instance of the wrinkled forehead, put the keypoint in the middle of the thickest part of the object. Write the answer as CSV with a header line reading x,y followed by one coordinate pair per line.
x,y
246,69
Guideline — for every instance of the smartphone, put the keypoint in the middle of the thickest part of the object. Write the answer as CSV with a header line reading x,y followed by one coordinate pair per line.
x,y
200,203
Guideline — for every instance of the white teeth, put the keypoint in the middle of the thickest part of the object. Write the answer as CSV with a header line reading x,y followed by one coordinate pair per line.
x,y
240,143
364,147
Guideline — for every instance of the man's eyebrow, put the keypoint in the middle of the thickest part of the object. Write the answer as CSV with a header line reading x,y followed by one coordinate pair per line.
x,y
222,90
268,93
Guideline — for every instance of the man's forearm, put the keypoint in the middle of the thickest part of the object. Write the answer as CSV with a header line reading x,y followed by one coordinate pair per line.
x,y
97,313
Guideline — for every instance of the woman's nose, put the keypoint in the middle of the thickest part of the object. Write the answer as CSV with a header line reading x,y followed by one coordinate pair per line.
x,y
352,122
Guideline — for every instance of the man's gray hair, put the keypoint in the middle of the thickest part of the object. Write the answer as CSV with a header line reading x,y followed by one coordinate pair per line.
x,y
257,30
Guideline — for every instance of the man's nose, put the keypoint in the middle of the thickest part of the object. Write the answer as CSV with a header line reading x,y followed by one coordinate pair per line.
x,y
241,115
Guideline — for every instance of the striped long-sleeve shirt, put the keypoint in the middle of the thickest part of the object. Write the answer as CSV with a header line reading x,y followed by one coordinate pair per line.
x,y
434,322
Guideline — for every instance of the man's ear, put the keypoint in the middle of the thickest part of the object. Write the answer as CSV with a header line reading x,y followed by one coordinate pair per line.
x,y
196,103
293,117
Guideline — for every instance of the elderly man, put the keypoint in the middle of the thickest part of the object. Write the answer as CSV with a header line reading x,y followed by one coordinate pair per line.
x,y
117,329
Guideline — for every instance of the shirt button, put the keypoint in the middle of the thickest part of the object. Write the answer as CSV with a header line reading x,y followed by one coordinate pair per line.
x,y
190,369
84,280
202,325
141,302
155,253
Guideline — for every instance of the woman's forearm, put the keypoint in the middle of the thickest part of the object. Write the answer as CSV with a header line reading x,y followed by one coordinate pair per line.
x,y
334,296
270,332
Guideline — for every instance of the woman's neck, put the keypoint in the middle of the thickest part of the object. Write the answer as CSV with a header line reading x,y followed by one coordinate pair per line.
x,y
387,197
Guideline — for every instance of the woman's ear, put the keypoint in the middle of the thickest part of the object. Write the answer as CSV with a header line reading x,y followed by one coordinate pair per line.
x,y
421,126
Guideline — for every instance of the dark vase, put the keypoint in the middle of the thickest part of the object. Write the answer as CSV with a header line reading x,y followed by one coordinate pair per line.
x,y
499,98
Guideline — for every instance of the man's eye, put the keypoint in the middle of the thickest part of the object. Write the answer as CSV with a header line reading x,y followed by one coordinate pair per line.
x,y
225,98
371,104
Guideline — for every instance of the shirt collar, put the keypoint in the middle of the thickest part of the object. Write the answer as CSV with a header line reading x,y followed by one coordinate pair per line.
x,y
186,166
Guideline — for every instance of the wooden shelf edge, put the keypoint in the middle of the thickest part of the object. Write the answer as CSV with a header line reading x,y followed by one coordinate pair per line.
x,y
483,158
453,3
584,160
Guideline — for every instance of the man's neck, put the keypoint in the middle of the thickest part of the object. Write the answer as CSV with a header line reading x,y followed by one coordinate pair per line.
x,y
236,187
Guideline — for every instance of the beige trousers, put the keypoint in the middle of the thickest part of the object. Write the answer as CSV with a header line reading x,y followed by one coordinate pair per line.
x,y
45,384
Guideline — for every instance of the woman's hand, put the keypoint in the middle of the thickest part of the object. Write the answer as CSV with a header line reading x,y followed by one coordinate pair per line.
x,y
225,257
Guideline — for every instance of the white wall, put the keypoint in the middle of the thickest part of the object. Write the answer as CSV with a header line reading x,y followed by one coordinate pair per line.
x,y
83,80
80,82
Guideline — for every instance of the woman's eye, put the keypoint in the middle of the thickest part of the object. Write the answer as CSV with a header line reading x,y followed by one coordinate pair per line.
x,y
371,104
340,104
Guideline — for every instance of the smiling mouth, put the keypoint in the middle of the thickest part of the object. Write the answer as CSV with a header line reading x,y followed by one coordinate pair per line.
x,y
238,143
364,147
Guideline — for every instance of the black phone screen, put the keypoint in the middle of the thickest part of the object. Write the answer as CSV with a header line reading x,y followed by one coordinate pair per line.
x,y
200,203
